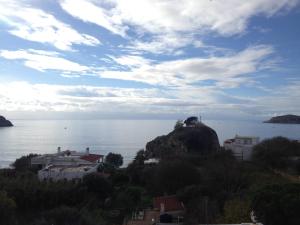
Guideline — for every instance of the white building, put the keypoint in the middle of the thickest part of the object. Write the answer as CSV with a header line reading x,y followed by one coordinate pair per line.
x,y
241,146
56,173
67,158
67,164
151,161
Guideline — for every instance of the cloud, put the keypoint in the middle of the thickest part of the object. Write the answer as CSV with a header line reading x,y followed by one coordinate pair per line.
x,y
131,61
164,16
228,71
166,27
23,96
281,100
167,44
96,14
36,25
43,60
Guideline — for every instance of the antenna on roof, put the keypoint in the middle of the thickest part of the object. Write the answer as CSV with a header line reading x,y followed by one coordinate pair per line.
x,y
87,151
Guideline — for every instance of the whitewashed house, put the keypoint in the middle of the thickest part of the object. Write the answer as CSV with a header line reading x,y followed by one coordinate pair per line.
x,y
66,165
67,158
241,146
56,173
151,161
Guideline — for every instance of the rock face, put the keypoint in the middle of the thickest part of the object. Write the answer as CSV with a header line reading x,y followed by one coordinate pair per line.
x,y
287,119
199,139
4,122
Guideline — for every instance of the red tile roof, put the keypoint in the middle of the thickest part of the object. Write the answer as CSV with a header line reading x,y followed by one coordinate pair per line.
x,y
171,203
91,157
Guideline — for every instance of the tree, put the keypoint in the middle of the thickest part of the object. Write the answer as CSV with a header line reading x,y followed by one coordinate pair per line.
x,y
172,175
178,124
277,204
135,169
7,209
97,184
223,175
128,198
140,157
64,216
276,152
236,211
119,178
200,207
106,168
24,163
114,159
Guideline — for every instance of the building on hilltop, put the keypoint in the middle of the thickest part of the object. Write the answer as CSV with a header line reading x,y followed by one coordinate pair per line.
x,y
191,121
241,146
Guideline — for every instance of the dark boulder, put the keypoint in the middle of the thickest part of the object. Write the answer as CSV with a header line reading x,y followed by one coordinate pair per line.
x,y
199,139
4,122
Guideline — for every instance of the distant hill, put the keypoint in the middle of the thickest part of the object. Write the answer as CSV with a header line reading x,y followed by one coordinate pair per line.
x,y
286,119
198,139
4,122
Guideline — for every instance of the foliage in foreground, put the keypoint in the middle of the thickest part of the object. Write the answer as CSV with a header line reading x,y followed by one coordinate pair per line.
x,y
214,188
278,204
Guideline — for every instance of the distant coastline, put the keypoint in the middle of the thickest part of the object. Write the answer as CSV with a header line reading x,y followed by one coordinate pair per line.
x,y
285,119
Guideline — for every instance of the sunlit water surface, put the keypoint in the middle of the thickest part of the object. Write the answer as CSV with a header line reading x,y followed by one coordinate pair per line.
x,y
120,136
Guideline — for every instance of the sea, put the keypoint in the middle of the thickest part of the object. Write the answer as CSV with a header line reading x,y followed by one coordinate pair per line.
x,y
119,136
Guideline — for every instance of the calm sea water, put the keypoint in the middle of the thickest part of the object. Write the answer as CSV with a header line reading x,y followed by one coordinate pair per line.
x,y
120,136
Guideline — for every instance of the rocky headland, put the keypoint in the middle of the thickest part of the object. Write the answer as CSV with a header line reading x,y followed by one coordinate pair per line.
x,y
4,122
195,139
285,119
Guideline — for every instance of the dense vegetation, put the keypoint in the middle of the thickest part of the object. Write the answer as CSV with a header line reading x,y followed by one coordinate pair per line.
x,y
114,159
215,188
278,153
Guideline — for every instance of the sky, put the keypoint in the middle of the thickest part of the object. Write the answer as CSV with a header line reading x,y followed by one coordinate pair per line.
x,y
221,59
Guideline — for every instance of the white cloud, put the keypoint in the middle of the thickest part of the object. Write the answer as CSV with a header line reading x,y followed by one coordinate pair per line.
x,y
228,71
164,16
281,100
131,61
19,96
43,60
36,25
89,12
23,96
167,26
159,44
